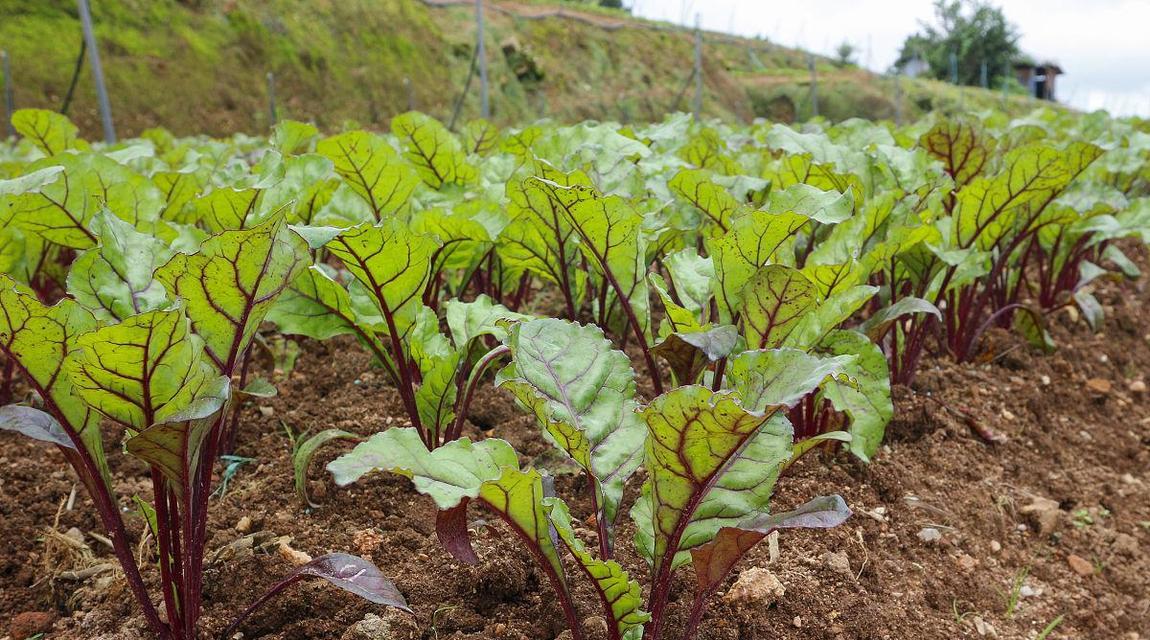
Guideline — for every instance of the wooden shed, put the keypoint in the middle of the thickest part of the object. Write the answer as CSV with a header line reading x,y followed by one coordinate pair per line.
x,y
1038,77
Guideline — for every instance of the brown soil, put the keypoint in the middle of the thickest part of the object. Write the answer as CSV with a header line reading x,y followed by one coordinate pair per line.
x,y
1085,448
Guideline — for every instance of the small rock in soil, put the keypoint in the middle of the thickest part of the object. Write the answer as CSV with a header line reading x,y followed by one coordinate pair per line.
x,y
755,586
1137,387
984,628
798,622
595,627
294,556
1098,385
929,535
839,562
1043,514
392,625
967,563
995,546
30,623
244,525
1080,565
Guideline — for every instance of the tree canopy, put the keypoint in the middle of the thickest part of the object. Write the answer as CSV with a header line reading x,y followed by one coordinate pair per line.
x,y
974,31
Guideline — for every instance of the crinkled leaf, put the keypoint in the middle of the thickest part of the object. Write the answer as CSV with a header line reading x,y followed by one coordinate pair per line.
x,y
52,132
864,393
144,370
715,202
116,279
61,210
373,169
438,156
582,391
40,340
776,300
232,282
754,241
769,378
711,463
392,264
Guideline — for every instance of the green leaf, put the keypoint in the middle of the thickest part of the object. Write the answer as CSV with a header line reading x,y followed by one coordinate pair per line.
x,y
40,340
373,169
449,474
754,241
612,241
776,300
689,353
303,454
393,265
963,148
480,317
61,209
480,136
1031,324
825,207
619,594
771,378
116,279
692,276
876,326
176,448
52,132
716,203
316,306
145,370
582,392
291,136
438,156
539,239
864,394
226,209
231,283
710,463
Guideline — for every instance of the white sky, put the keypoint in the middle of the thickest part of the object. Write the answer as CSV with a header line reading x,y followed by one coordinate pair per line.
x,y
1103,45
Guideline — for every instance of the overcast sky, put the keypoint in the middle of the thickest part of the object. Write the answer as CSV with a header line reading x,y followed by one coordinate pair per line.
x,y
1103,45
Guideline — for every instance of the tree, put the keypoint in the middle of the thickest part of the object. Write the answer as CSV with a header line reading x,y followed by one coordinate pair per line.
x,y
974,31
845,54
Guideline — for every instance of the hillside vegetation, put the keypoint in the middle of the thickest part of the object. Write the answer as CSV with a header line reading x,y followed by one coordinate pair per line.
x,y
199,66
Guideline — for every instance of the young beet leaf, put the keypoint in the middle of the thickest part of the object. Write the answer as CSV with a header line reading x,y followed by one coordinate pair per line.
x,y
582,393
148,374
116,279
539,240
40,339
437,155
711,464
373,170
460,472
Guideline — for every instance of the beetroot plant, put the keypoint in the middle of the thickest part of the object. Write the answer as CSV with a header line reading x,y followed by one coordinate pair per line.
x,y
711,466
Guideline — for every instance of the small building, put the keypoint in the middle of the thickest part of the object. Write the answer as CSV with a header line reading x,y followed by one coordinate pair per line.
x,y
1038,77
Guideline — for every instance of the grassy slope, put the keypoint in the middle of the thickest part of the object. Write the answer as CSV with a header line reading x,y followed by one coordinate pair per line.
x,y
198,66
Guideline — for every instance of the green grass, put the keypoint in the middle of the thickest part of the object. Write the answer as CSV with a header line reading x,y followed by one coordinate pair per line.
x,y
199,66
